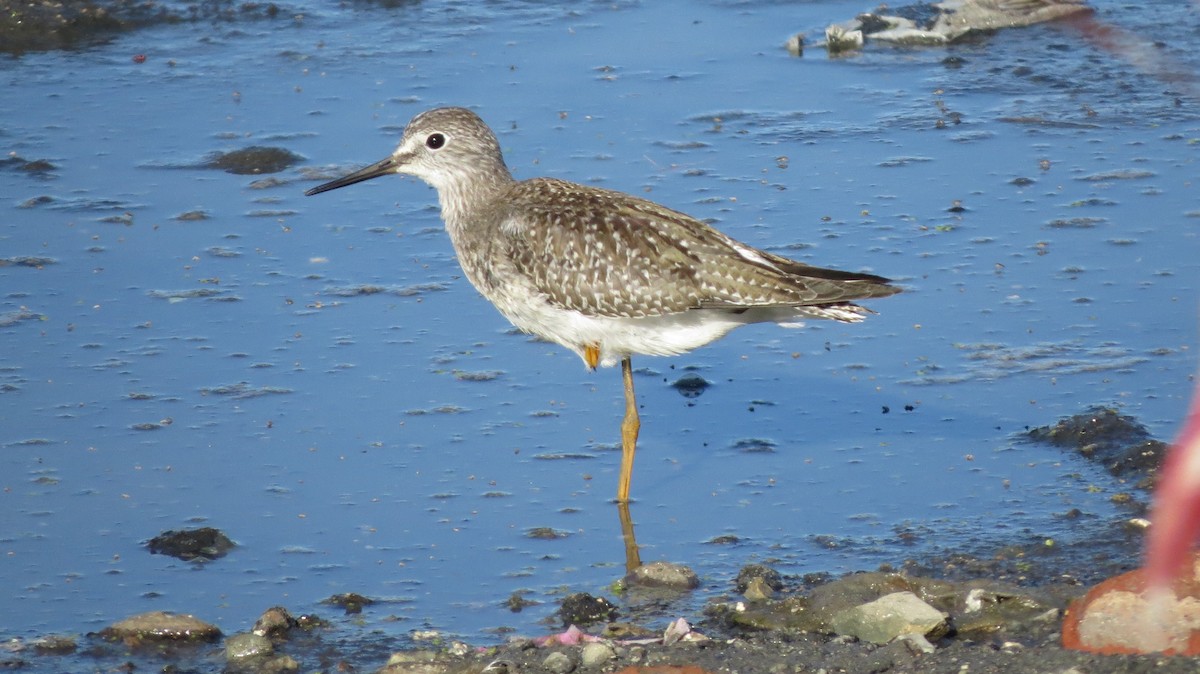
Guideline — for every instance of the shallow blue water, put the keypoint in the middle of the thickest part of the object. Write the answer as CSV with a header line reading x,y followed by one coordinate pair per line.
x,y
400,443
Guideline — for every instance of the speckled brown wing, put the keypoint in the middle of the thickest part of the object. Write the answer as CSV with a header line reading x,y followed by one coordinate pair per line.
x,y
605,253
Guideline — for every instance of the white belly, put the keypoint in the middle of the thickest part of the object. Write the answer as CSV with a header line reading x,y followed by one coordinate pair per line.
x,y
666,335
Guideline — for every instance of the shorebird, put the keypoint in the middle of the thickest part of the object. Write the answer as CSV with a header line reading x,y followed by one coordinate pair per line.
x,y
603,273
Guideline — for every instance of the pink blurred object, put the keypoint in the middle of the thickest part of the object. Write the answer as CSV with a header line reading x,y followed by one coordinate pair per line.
x,y
573,636
1175,516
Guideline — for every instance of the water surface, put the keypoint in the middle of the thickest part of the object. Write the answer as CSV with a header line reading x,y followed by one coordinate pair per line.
x,y
314,376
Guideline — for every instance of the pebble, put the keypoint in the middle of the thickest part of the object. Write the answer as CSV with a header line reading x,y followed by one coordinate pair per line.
x,y
596,654
558,663
665,574
274,622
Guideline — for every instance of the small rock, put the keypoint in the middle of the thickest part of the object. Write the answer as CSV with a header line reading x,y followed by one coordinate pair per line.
x,y
890,616
664,574
596,654
247,645
680,630
158,626
274,623
351,602
309,621
558,663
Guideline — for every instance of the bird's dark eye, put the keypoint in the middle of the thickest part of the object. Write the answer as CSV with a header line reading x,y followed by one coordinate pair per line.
x,y
435,141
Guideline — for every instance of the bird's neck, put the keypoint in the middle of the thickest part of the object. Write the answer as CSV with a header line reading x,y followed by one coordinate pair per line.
x,y
465,196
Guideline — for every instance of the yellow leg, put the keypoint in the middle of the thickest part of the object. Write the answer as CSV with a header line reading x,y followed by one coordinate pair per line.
x,y
629,432
633,556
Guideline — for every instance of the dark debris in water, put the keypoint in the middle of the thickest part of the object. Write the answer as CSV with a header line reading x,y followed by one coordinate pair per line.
x,y
84,205
1076,223
243,390
441,409
478,375
13,317
546,533
371,289
1116,441
254,160
754,445
27,261
1119,174
204,544
563,456
190,293
350,602
691,385
40,25
1032,120
38,167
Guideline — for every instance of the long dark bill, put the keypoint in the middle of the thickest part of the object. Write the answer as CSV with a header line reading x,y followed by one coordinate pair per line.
x,y
379,168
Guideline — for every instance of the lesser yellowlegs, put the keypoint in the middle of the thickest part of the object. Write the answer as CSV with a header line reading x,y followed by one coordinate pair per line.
x,y
605,274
